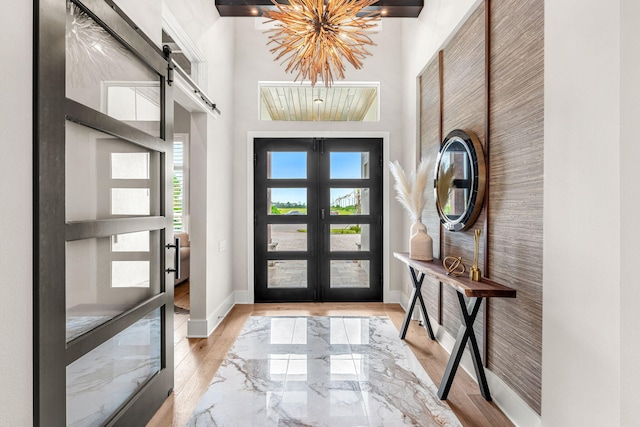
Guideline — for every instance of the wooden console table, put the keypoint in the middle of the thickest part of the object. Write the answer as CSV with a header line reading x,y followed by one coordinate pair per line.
x,y
464,287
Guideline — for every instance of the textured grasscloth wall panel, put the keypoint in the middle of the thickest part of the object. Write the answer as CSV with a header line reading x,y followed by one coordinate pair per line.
x,y
515,212
514,328
429,84
464,107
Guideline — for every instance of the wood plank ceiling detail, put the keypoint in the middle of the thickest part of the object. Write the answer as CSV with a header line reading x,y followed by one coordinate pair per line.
x,y
304,103
387,8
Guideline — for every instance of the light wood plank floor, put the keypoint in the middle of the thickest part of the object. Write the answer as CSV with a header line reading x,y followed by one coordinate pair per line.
x,y
197,360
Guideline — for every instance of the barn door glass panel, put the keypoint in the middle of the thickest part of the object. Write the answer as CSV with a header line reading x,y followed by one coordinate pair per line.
x,y
108,276
107,177
105,378
104,75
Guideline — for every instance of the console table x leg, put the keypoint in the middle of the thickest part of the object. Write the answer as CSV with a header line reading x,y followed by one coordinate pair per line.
x,y
465,333
416,296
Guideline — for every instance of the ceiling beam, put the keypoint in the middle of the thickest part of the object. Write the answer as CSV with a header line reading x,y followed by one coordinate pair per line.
x,y
387,8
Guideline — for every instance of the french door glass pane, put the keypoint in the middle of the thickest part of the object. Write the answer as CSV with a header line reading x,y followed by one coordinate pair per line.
x,y
286,165
104,75
350,237
350,201
108,276
286,274
286,201
287,237
106,377
349,165
108,177
350,274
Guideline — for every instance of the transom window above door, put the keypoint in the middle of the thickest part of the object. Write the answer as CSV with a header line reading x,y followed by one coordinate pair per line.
x,y
300,102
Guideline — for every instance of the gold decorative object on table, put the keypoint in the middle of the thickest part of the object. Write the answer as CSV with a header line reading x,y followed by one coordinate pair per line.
x,y
474,273
314,36
454,266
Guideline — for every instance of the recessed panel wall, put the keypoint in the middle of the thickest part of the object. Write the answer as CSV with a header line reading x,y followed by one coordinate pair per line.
x,y
516,188
429,84
496,83
463,107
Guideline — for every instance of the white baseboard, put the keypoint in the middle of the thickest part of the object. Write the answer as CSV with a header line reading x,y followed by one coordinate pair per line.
x,y
396,297
242,297
504,397
204,328
197,328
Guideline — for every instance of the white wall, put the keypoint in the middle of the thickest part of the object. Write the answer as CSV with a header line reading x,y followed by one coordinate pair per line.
x,y
581,375
144,14
211,188
211,192
254,63
16,325
629,208
220,155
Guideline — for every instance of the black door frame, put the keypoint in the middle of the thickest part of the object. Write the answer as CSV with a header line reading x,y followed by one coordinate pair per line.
x,y
52,354
262,294
318,285
374,219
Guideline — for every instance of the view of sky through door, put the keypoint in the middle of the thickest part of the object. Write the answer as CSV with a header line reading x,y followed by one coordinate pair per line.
x,y
293,165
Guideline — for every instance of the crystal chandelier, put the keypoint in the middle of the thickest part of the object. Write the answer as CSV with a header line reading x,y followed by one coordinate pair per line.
x,y
314,36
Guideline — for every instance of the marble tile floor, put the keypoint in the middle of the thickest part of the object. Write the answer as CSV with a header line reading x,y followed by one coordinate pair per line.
x,y
321,371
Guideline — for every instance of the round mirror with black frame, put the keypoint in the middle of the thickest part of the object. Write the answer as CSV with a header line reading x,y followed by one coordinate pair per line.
x,y
460,179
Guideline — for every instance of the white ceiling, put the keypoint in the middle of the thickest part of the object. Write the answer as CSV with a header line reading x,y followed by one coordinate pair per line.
x,y
301,102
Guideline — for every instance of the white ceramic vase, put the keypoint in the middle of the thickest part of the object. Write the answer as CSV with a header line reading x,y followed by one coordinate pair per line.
x,y
420,244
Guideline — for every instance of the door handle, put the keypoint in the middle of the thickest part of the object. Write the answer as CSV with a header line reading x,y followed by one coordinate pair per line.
x,y
321,213
176,262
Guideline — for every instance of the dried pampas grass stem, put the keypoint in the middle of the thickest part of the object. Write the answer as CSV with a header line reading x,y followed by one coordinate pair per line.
x,y
412,191
445,184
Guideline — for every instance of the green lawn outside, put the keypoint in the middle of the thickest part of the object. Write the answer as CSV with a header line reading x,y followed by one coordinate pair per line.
x,y
303,211
283,211
351,229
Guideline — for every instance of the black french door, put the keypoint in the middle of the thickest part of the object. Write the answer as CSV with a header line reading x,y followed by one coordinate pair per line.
x,y
318,219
